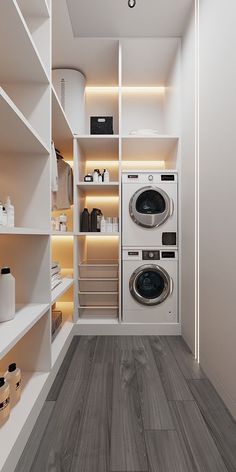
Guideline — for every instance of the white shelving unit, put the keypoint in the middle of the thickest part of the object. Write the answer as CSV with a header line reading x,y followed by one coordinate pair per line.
x,y
25,64
139,94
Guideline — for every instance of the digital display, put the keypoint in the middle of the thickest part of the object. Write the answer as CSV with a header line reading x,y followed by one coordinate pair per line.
x,y
168,255
132,176
167,177
133,253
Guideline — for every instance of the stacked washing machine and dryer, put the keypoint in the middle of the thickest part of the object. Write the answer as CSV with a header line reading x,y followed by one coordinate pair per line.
x,y
150,247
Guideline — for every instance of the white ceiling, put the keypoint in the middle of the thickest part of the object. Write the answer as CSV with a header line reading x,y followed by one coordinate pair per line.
x,y
113,18
98,60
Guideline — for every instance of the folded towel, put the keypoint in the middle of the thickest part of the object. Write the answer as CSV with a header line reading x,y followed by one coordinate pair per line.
x,y
144,132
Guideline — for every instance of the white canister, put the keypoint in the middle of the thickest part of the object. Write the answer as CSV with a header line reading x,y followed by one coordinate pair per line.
x,y
95,176
109,225
106,176
103,225
70,89
115,226
7,295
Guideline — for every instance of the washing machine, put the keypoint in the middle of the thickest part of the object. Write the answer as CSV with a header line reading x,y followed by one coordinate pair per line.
x,y
150,285
149,208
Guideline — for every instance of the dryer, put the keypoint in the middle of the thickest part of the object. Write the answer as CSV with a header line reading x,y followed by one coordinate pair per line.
x,y
150,285
149,208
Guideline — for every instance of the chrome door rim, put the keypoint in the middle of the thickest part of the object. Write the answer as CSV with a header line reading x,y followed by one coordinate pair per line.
x,y
142,219
147,301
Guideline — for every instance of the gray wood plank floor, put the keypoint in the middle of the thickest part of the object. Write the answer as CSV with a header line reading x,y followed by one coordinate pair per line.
x,y
131,404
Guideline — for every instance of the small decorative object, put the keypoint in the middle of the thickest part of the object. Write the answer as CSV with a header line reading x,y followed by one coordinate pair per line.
x,y
101,125
13,378
88,178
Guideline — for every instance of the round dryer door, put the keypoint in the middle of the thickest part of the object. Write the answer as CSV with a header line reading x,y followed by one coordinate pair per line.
x,y
150,285
150,207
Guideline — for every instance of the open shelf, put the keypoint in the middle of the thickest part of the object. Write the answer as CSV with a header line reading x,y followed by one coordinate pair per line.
x,y
99,263
91,137
102,102
32,385
62,134
26,139
148,61
12,331
60,340
22,62
141,152
111,188
58,291
62,233
18,230
99,147
99,235
94,321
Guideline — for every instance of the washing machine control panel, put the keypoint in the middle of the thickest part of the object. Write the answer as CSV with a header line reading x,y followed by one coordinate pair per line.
x,y
151,255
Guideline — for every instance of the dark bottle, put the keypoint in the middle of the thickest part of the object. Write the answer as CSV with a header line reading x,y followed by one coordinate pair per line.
x,y
85,221
94,220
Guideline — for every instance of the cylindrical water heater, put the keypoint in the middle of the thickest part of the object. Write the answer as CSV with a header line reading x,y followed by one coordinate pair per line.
x,y
70,89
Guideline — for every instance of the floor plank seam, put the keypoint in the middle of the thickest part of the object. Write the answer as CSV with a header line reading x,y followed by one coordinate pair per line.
x,y
141,415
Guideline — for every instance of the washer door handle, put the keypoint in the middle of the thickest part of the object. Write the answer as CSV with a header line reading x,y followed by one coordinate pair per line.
x,y
172,207
171,286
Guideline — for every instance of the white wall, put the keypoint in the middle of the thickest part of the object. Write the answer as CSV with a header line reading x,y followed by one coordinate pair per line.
x,y
187,186
218,195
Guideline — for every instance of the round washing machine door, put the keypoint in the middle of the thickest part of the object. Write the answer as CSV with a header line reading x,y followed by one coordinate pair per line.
x,y
150,207
150,285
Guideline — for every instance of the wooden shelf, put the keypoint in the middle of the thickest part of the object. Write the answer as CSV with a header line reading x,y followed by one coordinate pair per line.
x,y
12,331
22,62
58,291
26,139
111,188
62,134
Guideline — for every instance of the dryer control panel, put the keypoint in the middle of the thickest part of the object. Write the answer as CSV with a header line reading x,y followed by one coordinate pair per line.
x,y
149,177
151,255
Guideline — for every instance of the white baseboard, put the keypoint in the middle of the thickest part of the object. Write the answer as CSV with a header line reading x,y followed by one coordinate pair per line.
x,y
126,329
